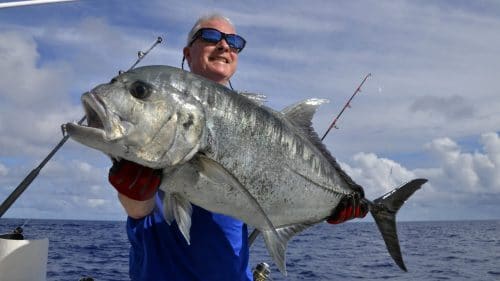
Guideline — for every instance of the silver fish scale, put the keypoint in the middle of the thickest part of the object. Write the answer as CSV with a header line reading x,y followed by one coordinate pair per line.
x,y
276,162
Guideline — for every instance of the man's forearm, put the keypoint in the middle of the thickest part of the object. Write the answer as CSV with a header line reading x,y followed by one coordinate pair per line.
x,y
136,209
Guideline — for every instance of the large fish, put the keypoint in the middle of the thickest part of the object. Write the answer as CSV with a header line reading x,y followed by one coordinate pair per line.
x,y
228,153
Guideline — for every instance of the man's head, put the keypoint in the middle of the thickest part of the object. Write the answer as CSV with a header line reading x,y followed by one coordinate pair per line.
x,y
215,61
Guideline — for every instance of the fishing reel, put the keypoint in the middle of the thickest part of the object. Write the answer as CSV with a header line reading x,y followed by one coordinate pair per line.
x,y
261,272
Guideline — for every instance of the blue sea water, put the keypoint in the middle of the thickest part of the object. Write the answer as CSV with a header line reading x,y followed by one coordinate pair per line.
x,y
455,250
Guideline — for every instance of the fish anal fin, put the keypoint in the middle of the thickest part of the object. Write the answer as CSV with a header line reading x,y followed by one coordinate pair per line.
x,y
277,247
182,211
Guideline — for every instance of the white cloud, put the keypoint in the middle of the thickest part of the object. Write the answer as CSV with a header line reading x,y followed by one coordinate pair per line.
x,y
24,83
95,203
452,107
377,175
457,178
34,100
469,172
72,189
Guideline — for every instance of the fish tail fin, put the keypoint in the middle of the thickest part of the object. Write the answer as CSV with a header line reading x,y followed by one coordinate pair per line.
x,y
384,211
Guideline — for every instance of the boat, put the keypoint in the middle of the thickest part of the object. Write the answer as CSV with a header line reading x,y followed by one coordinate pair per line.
x,y
23,260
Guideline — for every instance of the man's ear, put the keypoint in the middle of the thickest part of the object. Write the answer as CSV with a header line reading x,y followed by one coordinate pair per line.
x,y
187,54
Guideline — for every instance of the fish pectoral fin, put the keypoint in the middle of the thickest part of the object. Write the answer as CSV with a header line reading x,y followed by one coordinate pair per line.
x,y
219,175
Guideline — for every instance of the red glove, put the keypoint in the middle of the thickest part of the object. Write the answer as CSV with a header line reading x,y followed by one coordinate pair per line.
x,y
134,181
348,209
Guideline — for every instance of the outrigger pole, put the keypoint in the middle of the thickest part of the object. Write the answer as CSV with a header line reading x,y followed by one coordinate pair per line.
x,y
34,173
348,104
13,4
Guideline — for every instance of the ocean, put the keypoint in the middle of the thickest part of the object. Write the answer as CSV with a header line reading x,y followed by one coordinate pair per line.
x,y
445,250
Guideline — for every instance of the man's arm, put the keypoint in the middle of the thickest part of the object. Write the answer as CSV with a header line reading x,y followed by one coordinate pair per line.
x,y
136,209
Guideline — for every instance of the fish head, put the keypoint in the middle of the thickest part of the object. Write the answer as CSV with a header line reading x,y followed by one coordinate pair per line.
x,y
142,117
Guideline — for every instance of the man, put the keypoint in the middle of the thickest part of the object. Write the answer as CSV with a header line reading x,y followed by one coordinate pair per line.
x,y
218,249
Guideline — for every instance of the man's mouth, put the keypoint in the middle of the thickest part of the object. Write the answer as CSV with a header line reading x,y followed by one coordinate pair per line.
x,y
219,59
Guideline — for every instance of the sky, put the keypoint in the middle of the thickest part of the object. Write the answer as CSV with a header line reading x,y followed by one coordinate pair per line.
x,y
431,108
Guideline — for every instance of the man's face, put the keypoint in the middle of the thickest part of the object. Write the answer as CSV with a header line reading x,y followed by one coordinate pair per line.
x,y
216,62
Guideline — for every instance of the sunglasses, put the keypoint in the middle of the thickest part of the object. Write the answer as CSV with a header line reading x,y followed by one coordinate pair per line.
x,y
211,35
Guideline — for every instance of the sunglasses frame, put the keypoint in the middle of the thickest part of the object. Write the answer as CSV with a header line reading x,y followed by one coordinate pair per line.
x,y
225,36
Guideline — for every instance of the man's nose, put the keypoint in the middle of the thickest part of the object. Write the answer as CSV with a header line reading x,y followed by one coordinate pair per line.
x,y
222,45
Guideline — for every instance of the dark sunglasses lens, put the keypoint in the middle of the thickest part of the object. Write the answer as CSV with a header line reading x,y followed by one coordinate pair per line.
x,y
211,35
235,41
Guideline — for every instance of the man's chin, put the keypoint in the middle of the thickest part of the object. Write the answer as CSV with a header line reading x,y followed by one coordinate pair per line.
x,y
219,73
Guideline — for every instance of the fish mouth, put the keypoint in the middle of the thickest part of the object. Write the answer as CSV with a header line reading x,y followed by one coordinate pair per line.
x,y
100,118
93,118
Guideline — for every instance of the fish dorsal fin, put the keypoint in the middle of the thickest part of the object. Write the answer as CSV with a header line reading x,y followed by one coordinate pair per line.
x,y
301,115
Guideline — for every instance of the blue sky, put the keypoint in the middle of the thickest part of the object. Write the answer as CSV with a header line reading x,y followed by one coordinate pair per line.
x,y
431,108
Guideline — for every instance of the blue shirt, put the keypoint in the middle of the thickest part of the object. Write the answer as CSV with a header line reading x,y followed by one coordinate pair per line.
x,y
218,251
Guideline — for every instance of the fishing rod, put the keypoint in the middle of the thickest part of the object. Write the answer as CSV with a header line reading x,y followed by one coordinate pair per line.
x,y
31,176
34,173
348,104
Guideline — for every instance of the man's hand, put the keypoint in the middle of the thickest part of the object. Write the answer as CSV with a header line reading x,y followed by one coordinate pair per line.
x,y
348,209
134,181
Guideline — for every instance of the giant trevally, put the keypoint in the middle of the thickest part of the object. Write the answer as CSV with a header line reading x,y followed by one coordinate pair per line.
x,y
228,153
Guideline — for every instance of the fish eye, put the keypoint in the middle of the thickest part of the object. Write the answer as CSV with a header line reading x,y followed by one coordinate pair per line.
x,y
140,90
